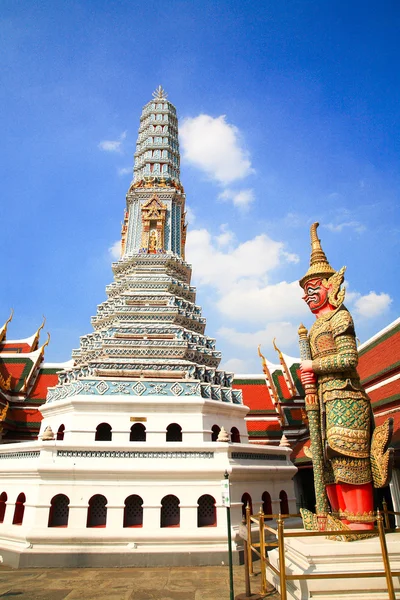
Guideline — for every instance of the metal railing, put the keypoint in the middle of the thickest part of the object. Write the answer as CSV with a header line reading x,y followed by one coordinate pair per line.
x,y
260,549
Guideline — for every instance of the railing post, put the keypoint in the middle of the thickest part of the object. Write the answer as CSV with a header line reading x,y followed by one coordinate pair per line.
x,y
262,553
282,566
386,514
249,550
386,564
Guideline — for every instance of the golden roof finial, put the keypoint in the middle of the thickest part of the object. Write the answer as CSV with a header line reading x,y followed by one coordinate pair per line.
x,y
286,373
35,343
319,265
3,330
45,344
271,387
277,349
47,341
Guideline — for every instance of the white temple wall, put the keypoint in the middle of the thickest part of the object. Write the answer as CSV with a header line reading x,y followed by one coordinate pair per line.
x,y
81,418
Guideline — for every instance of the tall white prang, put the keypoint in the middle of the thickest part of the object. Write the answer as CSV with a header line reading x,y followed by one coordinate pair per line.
x,y
128,466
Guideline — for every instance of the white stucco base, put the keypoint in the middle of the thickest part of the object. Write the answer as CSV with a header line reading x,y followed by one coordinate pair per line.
x,y
319,555
80,467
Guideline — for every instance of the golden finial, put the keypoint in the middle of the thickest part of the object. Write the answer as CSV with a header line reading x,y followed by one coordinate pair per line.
x,y
303,332
286,373
3,330
44,345
271,386
47,341
277,349
35,343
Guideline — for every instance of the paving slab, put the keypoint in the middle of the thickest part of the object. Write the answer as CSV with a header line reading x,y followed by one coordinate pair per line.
x,y
164,583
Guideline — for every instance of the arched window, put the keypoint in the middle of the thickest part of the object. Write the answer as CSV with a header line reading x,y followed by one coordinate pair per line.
x,y
59,511
19,509
97,511
215,433
3,505
133,511
235,435
284,503
174,433
267,505
170,511
60,432
103,433
246,500
206,511
138,433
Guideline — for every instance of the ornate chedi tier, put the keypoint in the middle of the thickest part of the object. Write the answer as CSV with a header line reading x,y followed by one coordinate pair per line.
x,y
149,334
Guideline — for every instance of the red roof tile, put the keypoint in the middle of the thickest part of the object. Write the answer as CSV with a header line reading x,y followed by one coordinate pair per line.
x,y
379,356
389,392
256,397
15,347
43,381
262,426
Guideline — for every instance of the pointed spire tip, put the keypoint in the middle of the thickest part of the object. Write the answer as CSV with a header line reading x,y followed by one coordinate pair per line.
x,y
160,93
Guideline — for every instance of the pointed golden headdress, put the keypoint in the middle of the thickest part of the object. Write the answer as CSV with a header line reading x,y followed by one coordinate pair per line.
x,y
320,267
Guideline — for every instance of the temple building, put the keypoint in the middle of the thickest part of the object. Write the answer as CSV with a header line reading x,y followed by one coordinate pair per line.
x,y
24,380
140,428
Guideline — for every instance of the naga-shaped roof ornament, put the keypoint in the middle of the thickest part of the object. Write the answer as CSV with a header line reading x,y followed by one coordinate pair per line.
x,y
35,343
319,265
160,93
3,330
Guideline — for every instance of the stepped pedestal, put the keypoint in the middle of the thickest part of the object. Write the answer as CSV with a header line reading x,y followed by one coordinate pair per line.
x,y
318,555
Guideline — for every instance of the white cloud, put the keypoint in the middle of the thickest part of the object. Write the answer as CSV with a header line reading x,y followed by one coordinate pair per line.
x,y
190,214
226,237
372,305
112,145
239,275
250,260
252,301
214,146
241,199
115,250
338,227
284,332
124,170
235,365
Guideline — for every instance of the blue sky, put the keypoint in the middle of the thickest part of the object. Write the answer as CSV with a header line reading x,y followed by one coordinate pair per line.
x,y
289,113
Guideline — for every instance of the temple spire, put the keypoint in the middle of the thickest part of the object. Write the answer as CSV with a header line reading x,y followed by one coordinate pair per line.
x,y
157,157
154,219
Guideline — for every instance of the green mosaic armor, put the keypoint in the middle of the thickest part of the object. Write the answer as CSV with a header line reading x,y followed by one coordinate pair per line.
x,y
347,415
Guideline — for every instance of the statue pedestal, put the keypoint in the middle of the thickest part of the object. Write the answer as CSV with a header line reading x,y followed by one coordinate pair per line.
x,y
318,555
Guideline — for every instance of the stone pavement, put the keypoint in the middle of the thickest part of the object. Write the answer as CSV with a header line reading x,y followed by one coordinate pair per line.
x,y
164,583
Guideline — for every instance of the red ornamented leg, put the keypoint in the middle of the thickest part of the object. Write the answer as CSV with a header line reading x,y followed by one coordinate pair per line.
x,y
331,490
336,499
358,499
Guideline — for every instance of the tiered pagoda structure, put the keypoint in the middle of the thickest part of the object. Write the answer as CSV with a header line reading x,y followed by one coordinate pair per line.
x,y
139,431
